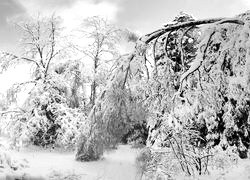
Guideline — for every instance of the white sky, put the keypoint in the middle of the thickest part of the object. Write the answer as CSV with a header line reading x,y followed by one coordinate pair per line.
x,y
14,75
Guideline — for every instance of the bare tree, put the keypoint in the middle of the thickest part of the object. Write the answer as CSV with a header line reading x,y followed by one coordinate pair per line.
x,y
103,37
39,45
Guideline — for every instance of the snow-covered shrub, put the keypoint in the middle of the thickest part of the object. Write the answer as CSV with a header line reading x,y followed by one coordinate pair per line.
x,y
168,163
178,152
61,131
157,164
162,163
70,121
47,119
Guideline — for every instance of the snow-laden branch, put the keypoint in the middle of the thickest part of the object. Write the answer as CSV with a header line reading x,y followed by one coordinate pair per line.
x,y
199,59
151,36
24,83
11,111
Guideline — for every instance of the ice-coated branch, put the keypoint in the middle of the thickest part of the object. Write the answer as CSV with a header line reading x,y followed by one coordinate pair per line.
x,y
151,36
198,61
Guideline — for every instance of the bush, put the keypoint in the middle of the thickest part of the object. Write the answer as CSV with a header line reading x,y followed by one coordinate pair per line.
x,y
56,125
152,164
167,163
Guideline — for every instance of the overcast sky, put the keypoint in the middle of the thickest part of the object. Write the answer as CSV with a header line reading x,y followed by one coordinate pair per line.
x,y
139,15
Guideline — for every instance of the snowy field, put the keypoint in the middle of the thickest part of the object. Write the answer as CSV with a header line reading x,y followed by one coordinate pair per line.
x,y
45,164
115,165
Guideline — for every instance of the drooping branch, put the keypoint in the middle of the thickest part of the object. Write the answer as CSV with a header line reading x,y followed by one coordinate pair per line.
x,y
149,37
198,61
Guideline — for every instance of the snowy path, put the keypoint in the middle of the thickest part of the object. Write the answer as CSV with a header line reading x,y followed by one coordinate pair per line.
x,y
116,165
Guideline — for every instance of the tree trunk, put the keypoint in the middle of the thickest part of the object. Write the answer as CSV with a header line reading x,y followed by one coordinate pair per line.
x,y
93,93
94,84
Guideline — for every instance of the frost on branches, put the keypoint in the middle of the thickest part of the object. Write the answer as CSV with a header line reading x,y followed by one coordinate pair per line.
x,y
191,78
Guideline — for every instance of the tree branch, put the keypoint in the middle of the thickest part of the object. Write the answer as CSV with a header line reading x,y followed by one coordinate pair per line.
x,y
127,70
23,58
151,36
12,111
198,60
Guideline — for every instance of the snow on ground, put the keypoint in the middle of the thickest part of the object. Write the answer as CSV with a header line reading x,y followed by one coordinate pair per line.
x,y
241,171
115,165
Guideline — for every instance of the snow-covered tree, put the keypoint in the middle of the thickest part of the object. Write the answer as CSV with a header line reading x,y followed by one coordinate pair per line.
x,y
196,96
46,117
102,38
